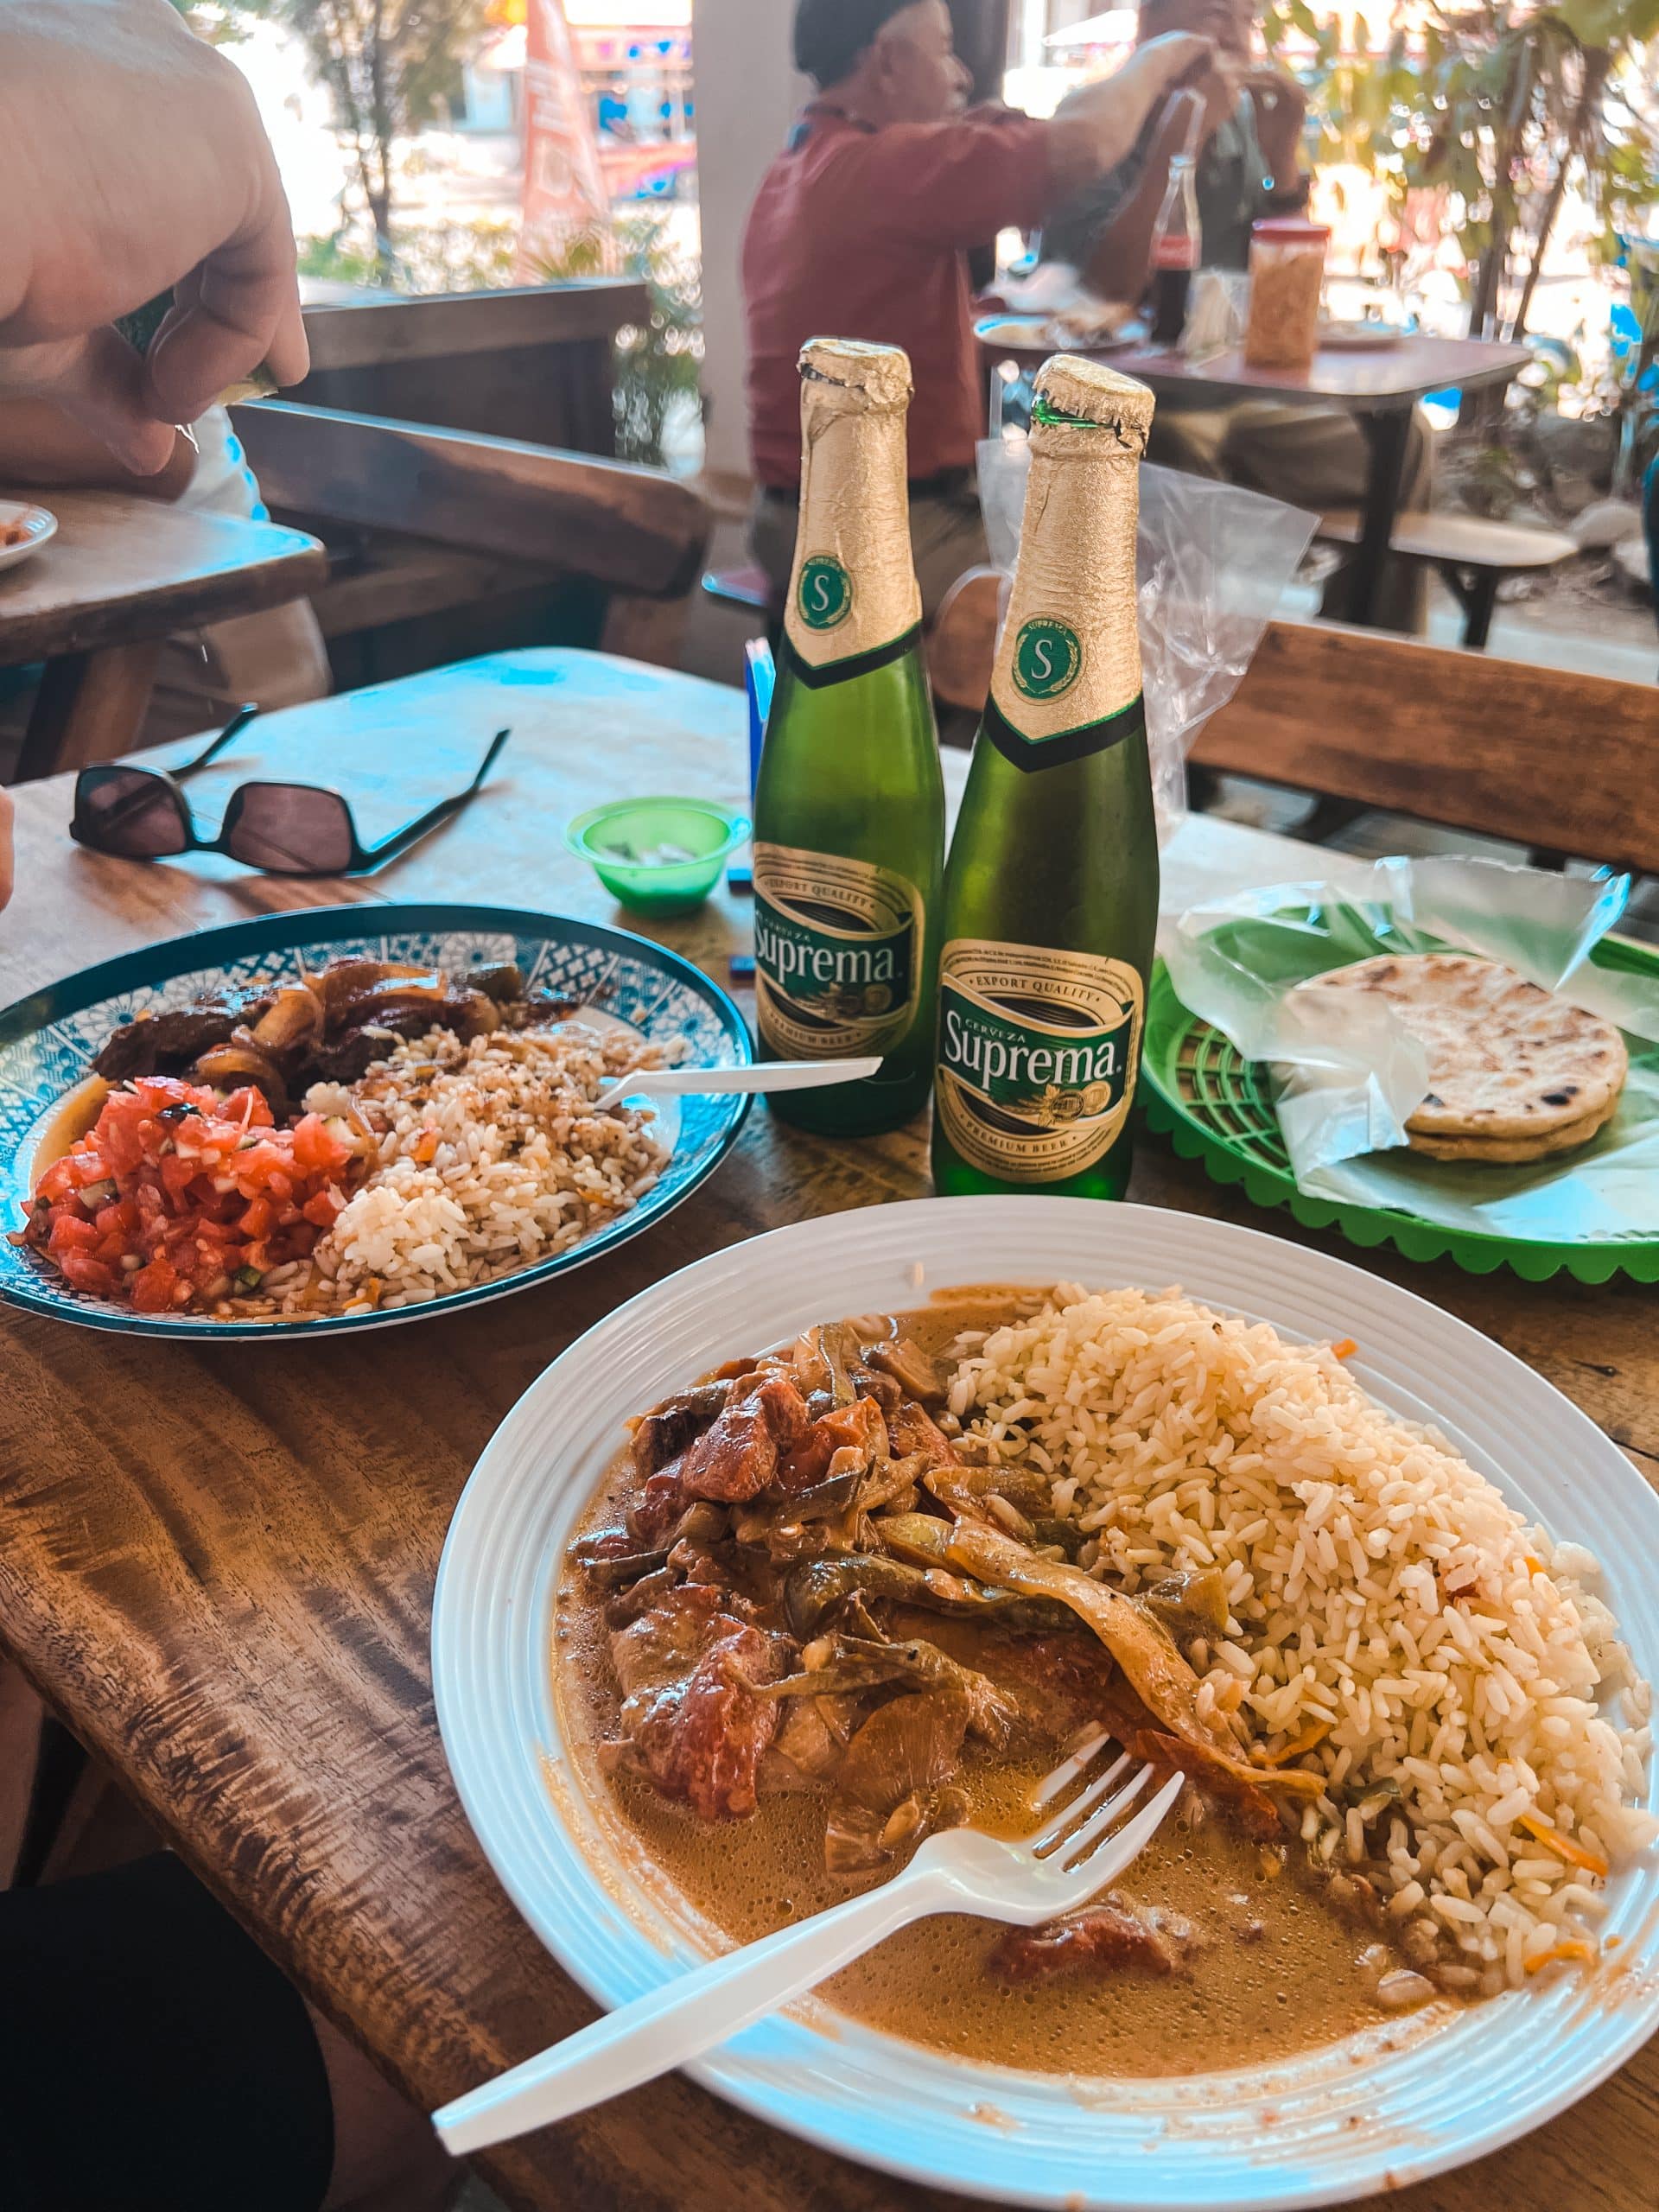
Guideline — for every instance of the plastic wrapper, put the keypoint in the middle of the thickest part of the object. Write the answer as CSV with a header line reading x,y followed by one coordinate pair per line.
x,y
1213,564
1348,1074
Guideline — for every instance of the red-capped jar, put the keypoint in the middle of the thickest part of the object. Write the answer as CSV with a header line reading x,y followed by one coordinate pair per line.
x,y
1286,277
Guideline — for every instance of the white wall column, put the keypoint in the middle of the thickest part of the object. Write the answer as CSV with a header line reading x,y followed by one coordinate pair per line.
x,y
747,94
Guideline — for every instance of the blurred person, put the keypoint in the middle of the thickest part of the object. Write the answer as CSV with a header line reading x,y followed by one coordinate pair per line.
x,y
1249,163
1247,117
860,229
132,159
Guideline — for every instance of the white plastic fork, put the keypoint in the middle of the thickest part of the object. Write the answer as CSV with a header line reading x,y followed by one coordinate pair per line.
x,y
764,1078
1070,1859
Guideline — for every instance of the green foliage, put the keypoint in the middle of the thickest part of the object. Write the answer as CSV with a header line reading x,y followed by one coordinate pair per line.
x,y
1503,102
658,363
423,257
390,65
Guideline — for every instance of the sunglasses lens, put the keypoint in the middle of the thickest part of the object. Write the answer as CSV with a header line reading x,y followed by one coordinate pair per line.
x,y
289,829
129,812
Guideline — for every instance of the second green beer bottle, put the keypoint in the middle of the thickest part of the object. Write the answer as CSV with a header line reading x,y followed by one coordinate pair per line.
x,y
849,810
1051,900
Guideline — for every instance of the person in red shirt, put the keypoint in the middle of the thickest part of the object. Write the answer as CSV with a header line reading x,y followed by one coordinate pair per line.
x,y
861,228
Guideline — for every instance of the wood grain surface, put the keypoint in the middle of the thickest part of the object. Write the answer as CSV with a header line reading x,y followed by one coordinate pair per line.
x,y
1545,756
630,527
122,568
218,1563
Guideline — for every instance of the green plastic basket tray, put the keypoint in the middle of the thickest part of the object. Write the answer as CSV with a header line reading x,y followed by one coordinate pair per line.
x,y
1216,1107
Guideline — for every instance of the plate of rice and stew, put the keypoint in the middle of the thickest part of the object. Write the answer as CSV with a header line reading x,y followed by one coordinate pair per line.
x,y
345,1119
852,1533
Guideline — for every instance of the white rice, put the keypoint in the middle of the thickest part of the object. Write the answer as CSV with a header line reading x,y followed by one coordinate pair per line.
x,y
1376,1582
489,1157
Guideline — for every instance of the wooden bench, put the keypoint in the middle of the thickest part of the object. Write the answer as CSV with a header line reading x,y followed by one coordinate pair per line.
x,y
1559,762
1554,761
448,540
1471,555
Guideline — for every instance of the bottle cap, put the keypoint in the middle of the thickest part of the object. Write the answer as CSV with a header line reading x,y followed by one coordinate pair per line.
x,y
879,375
1088,391
1289,230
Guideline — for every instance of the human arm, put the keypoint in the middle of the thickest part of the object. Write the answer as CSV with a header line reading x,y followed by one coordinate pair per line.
x,y
1115,262
1095,128
132,159
1280,107
958,183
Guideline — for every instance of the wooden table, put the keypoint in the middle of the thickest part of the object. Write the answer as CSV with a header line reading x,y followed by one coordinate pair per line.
x,y
217,1564
122,575
1379,388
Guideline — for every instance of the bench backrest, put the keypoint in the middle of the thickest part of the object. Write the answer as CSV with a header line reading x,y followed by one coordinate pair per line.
x,y
1547,757
1553,759
632,530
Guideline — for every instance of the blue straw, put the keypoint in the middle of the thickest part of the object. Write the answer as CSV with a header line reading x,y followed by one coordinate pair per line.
x,y
760,677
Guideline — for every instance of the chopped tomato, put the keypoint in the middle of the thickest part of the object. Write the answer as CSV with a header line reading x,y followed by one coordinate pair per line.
x,y
176,1195
153,1287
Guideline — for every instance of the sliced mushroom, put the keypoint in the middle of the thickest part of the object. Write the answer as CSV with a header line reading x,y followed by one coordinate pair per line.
x,y
227,1067
1189,1604
818,1587
909,1748
848,1664
914,1371
294,1017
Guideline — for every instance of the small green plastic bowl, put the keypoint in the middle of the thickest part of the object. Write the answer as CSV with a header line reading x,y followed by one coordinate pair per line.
x,y
609,838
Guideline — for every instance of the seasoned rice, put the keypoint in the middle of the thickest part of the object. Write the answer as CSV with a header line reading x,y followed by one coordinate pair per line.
x,y
1393,1622
488,1156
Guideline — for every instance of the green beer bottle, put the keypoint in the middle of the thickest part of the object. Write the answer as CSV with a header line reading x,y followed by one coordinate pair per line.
x,y
1050,897
849,810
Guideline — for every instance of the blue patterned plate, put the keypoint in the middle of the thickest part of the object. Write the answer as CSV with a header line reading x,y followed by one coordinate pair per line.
x,y
48,1042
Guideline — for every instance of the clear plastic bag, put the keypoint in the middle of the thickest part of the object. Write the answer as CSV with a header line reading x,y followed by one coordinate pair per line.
x,y
1348,1075
1212,565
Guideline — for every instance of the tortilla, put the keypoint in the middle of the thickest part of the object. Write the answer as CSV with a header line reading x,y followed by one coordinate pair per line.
x,y
1507,1063
1514,1152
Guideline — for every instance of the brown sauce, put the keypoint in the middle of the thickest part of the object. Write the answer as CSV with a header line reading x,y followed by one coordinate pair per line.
x,y
1274,1967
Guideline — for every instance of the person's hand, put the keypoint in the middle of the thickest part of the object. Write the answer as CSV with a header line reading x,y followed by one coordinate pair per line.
x,y
1280,111
6,813
1099,122
132,158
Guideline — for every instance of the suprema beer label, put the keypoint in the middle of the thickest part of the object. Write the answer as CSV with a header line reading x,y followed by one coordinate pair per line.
x,y
1047,658
826,595
838,953
1038,1056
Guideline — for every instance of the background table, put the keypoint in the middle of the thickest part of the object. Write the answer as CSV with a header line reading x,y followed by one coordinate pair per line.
x,y
218,1563
122,575
1378,386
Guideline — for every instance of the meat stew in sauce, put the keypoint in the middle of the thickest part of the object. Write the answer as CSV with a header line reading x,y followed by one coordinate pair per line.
x,y
806,1622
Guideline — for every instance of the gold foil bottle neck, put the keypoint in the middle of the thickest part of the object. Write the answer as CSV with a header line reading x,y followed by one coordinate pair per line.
x,y
1069,657
1088,395
853,588
874,377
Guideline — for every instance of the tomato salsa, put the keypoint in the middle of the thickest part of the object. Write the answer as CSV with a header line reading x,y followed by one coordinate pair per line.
x,y
177,1196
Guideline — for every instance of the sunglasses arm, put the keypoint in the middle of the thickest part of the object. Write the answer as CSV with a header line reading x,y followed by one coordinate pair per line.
x,y
389,847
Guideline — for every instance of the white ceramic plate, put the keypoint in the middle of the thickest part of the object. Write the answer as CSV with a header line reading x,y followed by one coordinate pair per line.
x,y
1384,2108
40,524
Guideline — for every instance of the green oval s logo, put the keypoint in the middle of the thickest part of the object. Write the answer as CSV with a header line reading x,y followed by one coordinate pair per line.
x,y
1047,658
825,596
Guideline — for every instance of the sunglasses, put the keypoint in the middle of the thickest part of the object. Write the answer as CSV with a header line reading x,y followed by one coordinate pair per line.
x,y
141,814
